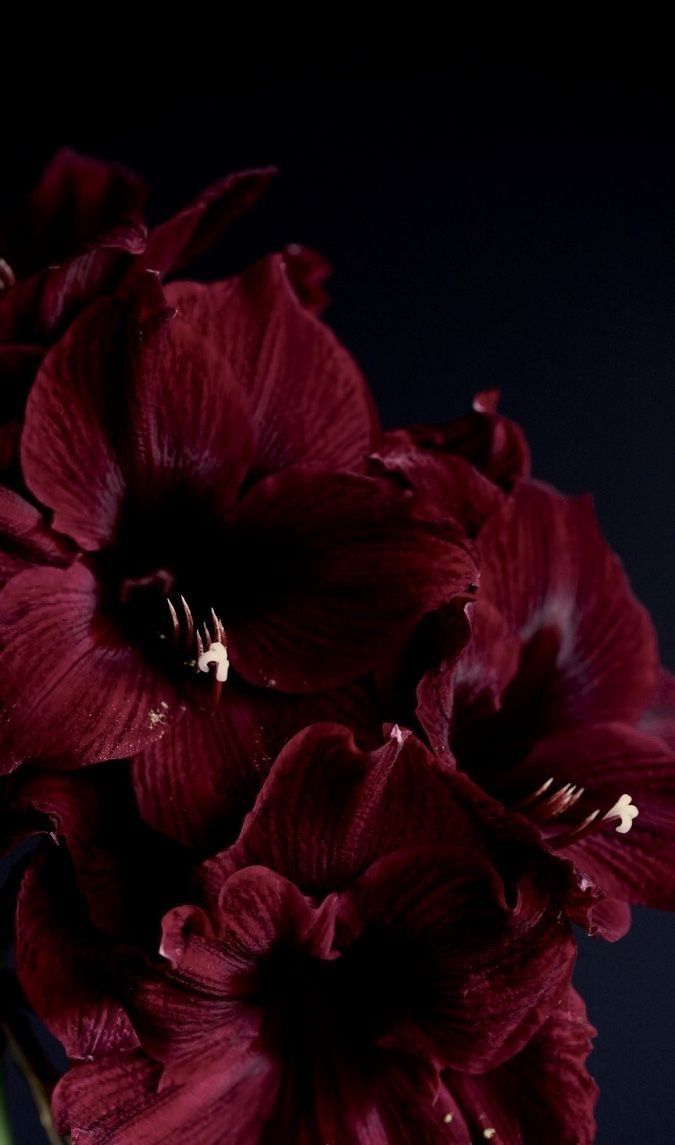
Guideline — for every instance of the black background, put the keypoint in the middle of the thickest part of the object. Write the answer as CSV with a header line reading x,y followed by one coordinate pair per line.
x,y
488,227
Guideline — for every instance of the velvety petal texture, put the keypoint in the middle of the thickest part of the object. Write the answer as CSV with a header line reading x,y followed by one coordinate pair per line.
x,y
311,404
57,645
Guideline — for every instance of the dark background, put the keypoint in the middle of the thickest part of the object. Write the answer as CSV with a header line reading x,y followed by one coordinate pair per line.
x,y
488,227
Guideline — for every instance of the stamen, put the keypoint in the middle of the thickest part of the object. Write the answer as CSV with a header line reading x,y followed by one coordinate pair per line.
x,y
625,811
547,804
216,654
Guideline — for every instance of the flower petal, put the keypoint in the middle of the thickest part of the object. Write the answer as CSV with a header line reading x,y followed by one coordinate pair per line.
x,y
310,403
610,760
450,484
138,400
330,573
119,1100
25,539
475,978
590,648
199,780
71,688
349,808
68,459
197,227
492,443
77,199
65,969
544,1093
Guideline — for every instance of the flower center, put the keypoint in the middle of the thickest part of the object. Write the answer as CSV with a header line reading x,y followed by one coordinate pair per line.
x,y
202,648
549,803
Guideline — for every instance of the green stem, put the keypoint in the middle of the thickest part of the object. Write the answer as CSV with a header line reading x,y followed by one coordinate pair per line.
x,y
37,1089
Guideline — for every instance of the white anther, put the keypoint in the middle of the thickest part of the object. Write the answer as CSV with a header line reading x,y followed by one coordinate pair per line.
x,y
448,1118
488,1134
396,734
216,654
625,811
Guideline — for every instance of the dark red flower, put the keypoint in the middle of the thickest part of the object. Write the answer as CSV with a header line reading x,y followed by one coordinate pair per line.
x,y
197,462
492,443
542,706
339,961
79,235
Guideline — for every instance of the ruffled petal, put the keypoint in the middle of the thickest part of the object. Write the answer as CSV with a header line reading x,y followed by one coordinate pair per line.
x,y
330,573
199,780
492,443
475,977
71,687
309,401
349,808
449,484
544,1093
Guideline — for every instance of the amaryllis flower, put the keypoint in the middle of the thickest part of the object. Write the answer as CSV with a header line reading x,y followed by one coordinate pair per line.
x,y
543,706
196,464
356,971
79,234
492,443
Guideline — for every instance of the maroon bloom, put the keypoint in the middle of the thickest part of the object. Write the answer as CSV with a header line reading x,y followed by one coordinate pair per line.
x,y
79,235
493,444
197,465
542,706
358,971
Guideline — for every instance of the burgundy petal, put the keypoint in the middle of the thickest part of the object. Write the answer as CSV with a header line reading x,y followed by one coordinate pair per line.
x,y
450,484
77,199
492,443
68,459
187,235
137,398
476,978
199,780
590,648
349,808
335,571
65,970
544,1093
25,539
609,761
119,1100
469,683
71,687
309,401
202,1013
308,271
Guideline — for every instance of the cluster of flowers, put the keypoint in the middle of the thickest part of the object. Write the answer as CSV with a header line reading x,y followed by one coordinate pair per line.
x,y
324,735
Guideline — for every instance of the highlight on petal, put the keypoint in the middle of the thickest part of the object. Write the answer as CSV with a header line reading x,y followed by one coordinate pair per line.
x,y
589,646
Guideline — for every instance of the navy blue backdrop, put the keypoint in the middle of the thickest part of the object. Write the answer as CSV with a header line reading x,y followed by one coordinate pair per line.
x,y
487,229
